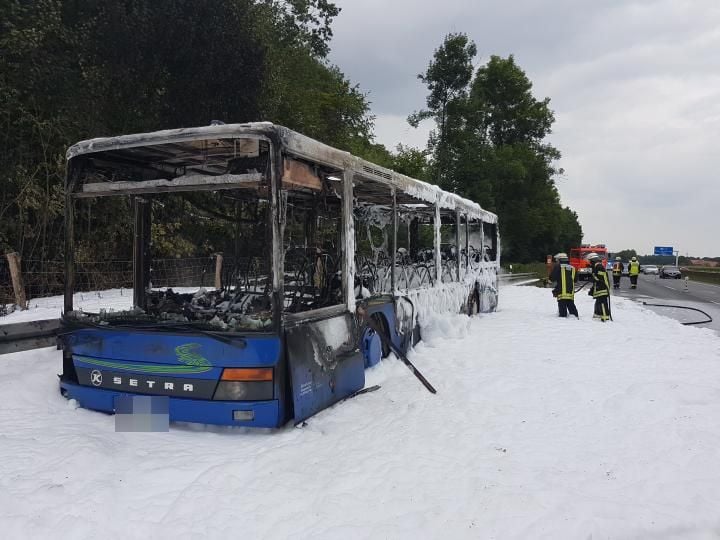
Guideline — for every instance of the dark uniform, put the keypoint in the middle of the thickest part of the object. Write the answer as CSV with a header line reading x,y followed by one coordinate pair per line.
x,y
634,270
564,277
617,270
601,291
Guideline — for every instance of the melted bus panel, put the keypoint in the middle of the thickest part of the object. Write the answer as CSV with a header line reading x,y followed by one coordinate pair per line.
x,y
325,362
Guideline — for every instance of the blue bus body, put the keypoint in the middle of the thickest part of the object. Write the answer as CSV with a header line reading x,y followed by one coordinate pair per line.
x,y
312,367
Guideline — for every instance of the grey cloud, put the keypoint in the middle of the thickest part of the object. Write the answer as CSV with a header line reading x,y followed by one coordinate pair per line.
x,y
635,86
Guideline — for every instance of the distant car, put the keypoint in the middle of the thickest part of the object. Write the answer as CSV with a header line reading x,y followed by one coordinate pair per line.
x,y
672,272
650,269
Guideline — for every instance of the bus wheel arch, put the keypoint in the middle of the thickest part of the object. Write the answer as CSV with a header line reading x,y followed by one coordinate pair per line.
x,y
382,323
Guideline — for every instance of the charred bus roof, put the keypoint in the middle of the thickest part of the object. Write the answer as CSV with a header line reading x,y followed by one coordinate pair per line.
x,y
206,157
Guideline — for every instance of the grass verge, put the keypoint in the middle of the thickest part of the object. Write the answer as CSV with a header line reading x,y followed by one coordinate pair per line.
x,y
703,275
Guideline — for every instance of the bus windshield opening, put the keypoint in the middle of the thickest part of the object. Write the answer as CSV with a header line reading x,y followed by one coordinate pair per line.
x,y
197,257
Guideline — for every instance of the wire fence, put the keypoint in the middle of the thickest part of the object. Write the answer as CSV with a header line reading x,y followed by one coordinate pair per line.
x,y
42,278
190,272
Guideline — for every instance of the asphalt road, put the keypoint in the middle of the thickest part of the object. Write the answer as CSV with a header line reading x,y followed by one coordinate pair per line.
x,y
654,290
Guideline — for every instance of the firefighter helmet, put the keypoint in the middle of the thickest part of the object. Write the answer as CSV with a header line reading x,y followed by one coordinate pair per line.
x,y
618,259
561,256
592,256
634,259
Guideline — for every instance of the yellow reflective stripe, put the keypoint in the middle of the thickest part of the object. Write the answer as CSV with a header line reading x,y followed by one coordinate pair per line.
x,y
566,294
603,276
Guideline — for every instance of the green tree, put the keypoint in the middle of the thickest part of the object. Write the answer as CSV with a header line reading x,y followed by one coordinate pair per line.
x,y
299,24
626,254
446,77
570,231
88,68
496,153
516,167
503,110
36,110
411,162
316,99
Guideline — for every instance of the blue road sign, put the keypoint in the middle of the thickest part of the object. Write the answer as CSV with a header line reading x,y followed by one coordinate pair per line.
x,y
663,250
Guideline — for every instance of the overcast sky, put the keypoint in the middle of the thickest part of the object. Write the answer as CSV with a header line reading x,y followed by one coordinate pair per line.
x,y
635,86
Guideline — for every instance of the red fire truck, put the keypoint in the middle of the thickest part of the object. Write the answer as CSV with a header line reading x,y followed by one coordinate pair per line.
x,y
578,260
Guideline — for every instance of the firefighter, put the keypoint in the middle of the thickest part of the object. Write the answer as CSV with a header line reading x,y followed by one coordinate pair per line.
x,y
564,291
617,271
600,289
634,270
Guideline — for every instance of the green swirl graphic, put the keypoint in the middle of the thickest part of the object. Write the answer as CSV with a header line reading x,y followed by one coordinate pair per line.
x,y
145,368
186,355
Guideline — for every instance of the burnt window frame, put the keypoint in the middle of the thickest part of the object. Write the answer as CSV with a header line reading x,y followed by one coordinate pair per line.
x,y
145,185
333,184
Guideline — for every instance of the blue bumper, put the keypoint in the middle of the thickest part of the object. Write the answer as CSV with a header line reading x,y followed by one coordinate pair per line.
x,y
266,413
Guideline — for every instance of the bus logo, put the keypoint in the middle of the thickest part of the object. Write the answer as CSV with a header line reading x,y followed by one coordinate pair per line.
x,y
96,377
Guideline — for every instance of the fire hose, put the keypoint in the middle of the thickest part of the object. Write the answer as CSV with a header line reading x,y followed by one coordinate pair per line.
x,y
581,287
709,318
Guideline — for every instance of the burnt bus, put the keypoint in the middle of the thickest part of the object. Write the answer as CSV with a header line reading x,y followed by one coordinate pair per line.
x,y
311,245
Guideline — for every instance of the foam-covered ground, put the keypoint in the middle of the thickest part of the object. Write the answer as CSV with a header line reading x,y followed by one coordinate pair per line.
x,y
541,428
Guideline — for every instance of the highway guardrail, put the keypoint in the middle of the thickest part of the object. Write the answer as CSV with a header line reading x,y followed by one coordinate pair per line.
x,y
28,335
530,277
